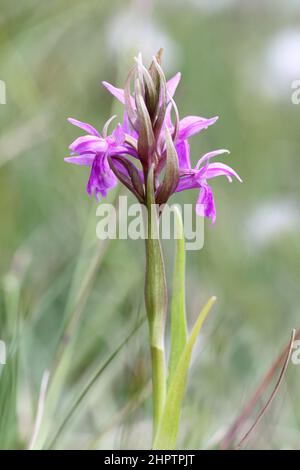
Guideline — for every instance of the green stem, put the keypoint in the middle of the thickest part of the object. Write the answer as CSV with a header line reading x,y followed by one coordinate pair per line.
x,y
156,305
158,385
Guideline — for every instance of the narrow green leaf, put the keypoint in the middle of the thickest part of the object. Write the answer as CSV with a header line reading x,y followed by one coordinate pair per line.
x,y
9,372
178,313
168,428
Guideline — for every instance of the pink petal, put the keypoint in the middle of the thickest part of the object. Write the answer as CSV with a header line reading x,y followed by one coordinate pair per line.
x,y
84,160
173,83
119,135
187,182
83,125
205,205
191,125
220,169
210,155
88,144
117,93
183,152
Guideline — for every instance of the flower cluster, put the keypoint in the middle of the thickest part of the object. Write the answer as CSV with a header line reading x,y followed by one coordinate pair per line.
x,y
151,137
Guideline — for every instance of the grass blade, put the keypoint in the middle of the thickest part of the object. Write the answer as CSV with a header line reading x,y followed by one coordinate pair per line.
x,y
90,384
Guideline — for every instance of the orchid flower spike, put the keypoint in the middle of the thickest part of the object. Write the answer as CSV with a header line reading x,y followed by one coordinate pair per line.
x,y
148,138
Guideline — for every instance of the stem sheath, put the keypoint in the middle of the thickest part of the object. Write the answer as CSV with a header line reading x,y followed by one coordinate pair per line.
x,y
156,304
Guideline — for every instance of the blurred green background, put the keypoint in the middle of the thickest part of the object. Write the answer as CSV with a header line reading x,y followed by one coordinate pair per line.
x,y
67,300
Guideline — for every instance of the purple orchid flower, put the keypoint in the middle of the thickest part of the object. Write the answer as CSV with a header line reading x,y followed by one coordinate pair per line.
x,y
149,135
94,150
197,179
